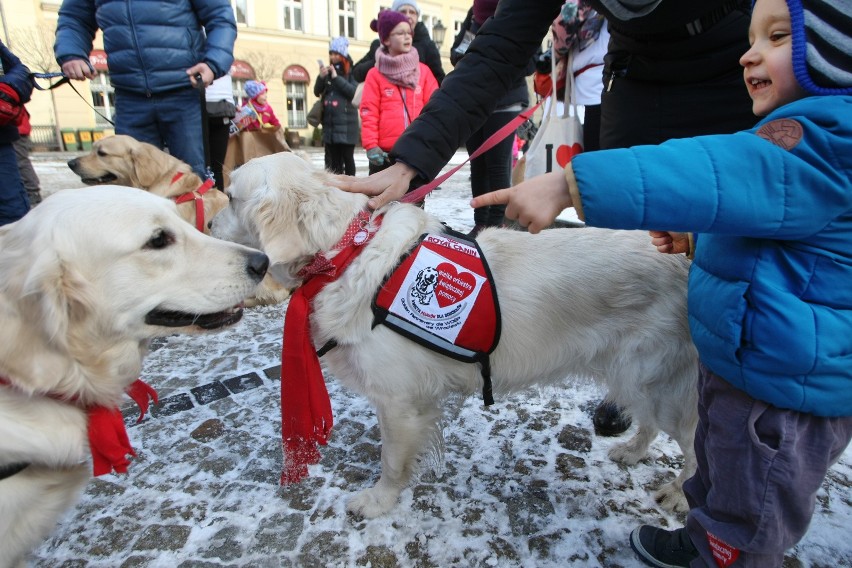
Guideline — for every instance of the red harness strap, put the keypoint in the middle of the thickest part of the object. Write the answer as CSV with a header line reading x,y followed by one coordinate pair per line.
x,y
306,417
197,196
108,440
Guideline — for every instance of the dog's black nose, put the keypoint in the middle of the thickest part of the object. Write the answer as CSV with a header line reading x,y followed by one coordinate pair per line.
x,y
72,163
258,263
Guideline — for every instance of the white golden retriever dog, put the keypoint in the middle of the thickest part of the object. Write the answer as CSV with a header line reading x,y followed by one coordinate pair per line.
x,y
87,278
584,302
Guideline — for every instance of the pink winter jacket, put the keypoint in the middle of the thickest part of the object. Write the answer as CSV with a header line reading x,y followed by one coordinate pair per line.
x,y
383,117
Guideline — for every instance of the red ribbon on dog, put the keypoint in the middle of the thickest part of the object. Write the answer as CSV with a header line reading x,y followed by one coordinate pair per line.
x,y
197,197
108,440
306,417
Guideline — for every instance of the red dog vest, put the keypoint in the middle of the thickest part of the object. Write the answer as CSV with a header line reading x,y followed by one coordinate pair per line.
x,y
442,296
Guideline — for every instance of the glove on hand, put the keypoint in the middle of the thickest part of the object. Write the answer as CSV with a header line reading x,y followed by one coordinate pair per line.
x,y
377,156
10,104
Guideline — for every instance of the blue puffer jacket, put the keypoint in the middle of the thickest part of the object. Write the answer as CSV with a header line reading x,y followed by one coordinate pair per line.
x,y
149,43
770,301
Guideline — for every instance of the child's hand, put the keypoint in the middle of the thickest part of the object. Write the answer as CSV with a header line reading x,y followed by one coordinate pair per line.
x,y
535,203
669,242
376,156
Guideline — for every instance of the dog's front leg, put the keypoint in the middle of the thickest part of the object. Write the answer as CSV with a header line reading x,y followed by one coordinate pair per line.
x,y
405,431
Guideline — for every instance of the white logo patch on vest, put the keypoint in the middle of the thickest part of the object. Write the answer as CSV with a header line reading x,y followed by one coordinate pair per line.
x,y
438,294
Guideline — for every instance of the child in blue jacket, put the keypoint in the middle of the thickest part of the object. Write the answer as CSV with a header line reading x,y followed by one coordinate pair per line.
x,y
770,306
15,89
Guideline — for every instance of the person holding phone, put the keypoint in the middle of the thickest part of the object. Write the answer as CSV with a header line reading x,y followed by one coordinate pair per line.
x,y
336,87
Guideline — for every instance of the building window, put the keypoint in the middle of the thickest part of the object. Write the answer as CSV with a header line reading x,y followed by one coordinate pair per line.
x,y
346,17
240,11
103,99
297,111
292,12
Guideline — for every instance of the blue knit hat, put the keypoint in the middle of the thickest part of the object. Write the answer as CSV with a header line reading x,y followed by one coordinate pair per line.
x,y
339,45
397,4
255,88
822,45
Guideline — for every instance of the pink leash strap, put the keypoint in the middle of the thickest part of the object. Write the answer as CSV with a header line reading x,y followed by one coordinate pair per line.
x,y
424,190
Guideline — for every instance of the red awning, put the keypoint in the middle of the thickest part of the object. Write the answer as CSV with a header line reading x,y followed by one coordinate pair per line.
x,y
98,59
296,74
241,70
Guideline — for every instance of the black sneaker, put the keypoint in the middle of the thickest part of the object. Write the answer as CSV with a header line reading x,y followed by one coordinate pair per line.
x,y
662,548
609,420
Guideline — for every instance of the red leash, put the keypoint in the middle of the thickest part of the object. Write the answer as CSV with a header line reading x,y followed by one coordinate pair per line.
x,y
422,191
197,196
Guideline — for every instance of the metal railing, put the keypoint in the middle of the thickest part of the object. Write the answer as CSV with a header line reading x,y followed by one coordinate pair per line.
x,y
44,139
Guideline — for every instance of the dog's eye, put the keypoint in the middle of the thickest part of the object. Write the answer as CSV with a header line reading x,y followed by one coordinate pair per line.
x,y
160,240
101,153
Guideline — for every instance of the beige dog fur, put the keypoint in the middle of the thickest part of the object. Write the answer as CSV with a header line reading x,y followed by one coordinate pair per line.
x,y
81,277
123,160
575,302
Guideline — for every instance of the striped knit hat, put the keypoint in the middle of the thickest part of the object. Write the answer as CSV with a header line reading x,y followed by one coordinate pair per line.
x,y
822,45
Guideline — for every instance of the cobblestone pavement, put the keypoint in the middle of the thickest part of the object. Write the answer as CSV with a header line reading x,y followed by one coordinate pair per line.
x,y
522,483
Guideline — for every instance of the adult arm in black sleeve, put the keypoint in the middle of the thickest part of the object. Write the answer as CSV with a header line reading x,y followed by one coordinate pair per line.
x,y
498,55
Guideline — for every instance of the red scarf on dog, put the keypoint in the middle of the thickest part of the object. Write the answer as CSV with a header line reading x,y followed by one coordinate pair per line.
x,y
306,417
108,439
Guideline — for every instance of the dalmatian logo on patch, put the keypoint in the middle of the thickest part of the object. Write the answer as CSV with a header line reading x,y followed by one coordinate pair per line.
x,y
437,294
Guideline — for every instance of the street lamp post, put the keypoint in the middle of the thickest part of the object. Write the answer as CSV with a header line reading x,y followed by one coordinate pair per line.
x,y
439,31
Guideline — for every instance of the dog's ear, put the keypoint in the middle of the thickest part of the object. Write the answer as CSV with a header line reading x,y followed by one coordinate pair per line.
x,y
149,165
58,294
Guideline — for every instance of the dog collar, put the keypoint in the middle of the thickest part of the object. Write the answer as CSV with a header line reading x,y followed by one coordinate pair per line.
x,y
197,196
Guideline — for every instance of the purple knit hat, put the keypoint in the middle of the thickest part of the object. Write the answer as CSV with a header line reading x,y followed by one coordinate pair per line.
x,y
386,22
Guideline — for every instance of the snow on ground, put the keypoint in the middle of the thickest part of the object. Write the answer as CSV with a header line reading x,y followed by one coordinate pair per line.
x,y
522,483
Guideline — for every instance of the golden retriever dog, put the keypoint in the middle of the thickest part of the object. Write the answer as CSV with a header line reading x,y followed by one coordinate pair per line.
x,y
87,279
123,160
575,302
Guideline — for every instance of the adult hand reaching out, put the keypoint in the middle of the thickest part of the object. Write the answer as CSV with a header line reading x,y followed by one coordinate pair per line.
x,y
384,186
535,203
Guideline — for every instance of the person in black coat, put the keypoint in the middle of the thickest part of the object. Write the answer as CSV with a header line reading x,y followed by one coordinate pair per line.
x,y
340,126
15,90
426,48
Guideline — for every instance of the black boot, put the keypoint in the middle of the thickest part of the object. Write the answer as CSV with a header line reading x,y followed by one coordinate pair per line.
x,y
609,420
661,548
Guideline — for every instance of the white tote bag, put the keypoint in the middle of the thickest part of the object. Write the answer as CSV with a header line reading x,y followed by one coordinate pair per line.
x,y
560,136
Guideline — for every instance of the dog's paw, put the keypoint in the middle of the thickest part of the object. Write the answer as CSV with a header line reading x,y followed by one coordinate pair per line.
x,y
671,498
371,503
626,453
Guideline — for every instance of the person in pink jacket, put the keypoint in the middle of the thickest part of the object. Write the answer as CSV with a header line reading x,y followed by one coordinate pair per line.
x,y
395,90
262,117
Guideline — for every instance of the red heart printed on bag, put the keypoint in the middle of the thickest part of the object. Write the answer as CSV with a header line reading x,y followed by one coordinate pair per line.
x,y
453,287
564,153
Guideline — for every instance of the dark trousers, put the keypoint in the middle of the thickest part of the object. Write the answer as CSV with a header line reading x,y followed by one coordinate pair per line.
x,y
340,158
170,120
14,203
217,138
492,170
759,470
23,145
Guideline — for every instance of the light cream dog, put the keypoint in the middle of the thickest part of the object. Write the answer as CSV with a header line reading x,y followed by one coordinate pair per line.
x,y
123,160
87,278
575,302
